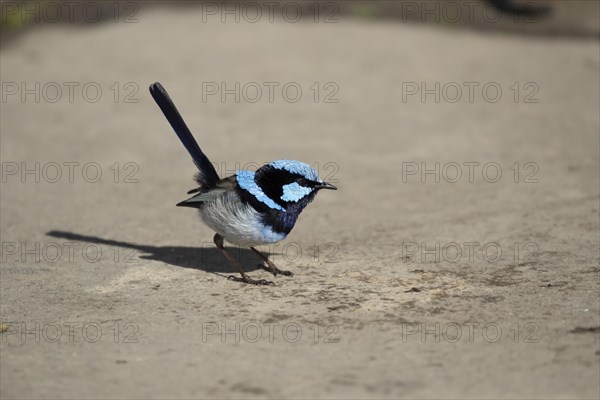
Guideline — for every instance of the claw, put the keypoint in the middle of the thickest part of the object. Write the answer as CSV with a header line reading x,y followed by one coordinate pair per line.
x,y
250,281
274,270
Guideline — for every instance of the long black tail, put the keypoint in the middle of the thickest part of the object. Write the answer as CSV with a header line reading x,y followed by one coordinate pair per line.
x,y
207,176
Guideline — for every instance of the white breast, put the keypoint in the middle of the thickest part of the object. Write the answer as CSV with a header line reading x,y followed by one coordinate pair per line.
x,y
238,223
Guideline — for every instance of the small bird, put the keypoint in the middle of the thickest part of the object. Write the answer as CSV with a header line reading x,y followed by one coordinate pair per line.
x,y
249,208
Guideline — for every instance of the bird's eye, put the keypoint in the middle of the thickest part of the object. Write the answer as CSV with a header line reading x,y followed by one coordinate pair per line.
x,y
302,182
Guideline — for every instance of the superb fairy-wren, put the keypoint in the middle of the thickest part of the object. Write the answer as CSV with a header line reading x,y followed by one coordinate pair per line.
x,y
249,208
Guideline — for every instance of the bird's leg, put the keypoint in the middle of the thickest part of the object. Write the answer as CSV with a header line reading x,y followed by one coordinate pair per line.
x,y
218,239
270,267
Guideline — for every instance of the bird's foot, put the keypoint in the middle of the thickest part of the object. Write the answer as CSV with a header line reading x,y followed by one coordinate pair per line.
x,y
270,267
245,279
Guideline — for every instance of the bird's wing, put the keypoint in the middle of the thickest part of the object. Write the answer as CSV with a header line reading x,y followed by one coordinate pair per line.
x,y
224,185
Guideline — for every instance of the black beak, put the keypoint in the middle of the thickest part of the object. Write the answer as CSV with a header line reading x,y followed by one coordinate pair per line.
x,y
325,185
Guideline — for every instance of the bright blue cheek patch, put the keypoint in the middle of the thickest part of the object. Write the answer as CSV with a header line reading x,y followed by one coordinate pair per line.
x,y
246,181
294,192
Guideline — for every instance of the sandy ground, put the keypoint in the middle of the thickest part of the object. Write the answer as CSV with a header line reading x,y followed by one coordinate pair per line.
x,y
109,291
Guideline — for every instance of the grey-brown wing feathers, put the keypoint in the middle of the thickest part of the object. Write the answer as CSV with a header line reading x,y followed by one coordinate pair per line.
x,y
224,185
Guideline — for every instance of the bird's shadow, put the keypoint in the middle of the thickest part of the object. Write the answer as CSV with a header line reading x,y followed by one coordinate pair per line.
x,y
206,258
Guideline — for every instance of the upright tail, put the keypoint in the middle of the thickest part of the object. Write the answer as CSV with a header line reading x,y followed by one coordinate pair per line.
x,y
207,176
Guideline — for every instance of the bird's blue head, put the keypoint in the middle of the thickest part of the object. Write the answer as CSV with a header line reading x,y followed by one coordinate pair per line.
x,y
290,184
283,185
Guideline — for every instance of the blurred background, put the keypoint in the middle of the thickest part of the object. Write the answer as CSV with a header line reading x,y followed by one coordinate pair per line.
x,y
450,127
546,17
